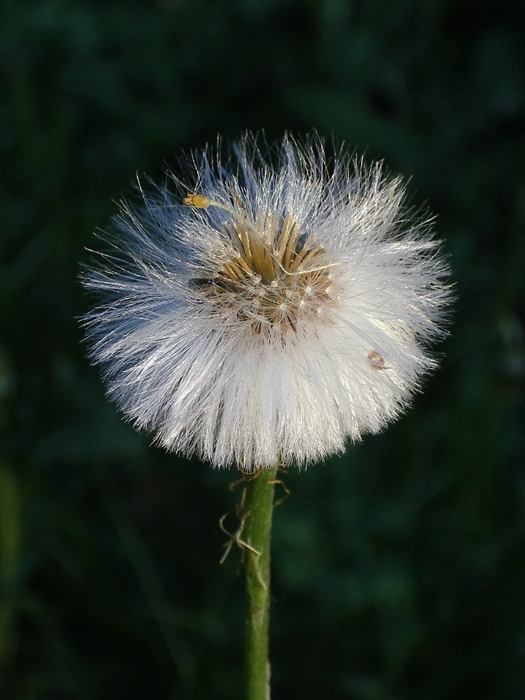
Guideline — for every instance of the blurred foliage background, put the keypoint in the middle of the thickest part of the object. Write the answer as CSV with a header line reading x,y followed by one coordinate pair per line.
x,y
399,568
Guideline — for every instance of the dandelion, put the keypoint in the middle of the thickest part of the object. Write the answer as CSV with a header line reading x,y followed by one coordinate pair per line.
x,y
285,304
281,303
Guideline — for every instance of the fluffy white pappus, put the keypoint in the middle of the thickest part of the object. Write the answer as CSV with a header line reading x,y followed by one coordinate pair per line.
x,y
281,304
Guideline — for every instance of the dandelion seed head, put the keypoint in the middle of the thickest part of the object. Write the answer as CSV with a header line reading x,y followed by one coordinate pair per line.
x,y
282,305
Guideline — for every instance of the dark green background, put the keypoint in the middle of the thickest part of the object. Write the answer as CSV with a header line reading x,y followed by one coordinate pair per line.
x,y
399,568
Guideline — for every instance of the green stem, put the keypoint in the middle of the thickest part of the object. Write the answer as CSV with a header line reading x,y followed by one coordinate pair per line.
x,y
258,510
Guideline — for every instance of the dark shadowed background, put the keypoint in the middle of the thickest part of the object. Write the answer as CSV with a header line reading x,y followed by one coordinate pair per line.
x,y
399,568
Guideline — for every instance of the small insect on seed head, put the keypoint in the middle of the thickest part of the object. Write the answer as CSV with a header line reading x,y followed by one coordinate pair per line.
x,y
196,200
376,359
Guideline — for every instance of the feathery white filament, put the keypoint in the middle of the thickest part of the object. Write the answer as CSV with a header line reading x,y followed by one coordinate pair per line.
x,y
276,312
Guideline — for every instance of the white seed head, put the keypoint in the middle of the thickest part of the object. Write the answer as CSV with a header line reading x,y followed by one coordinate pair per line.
x,y
282,306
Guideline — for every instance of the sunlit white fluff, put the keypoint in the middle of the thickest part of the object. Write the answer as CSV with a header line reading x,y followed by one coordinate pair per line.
x,y
284,307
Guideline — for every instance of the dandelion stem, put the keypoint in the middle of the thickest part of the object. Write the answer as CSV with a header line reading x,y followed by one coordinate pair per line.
x,y
257,534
